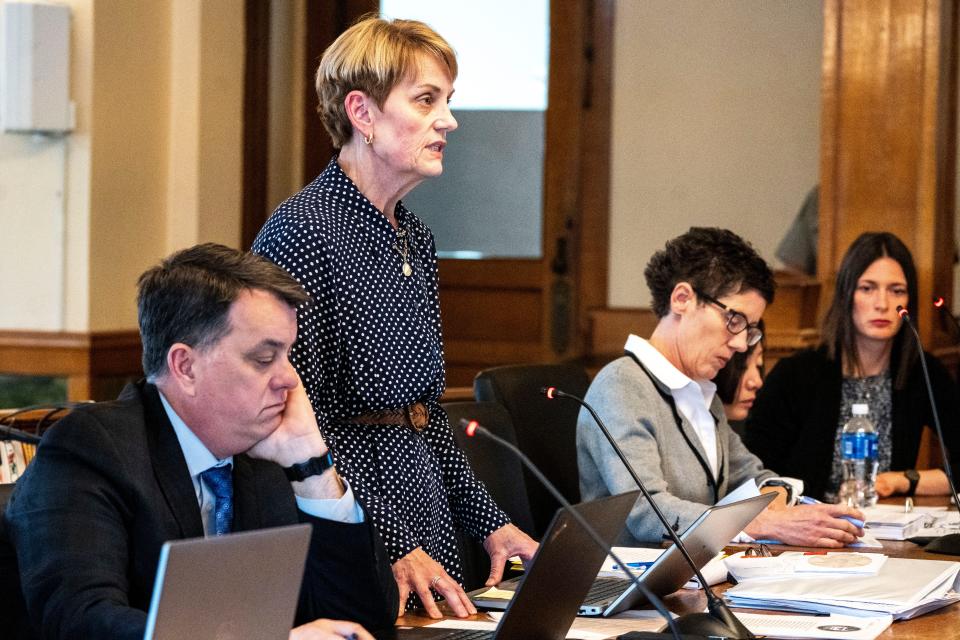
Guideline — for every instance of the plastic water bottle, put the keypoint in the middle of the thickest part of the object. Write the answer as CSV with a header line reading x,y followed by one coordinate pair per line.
x,y
858,449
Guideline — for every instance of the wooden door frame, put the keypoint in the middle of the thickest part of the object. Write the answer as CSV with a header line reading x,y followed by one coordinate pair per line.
x,y
256,119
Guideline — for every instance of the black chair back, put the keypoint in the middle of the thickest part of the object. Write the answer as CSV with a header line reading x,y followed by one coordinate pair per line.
x,y
12,607
498,469
546,429
5,490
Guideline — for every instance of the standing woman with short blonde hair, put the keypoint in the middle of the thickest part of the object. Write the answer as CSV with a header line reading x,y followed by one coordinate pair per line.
x,y
369,347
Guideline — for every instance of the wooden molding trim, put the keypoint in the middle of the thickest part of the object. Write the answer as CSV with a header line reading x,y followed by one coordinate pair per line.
x,y
61,353
85,359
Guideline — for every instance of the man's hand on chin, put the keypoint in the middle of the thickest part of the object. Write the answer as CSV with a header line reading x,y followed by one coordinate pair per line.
x,y
297,438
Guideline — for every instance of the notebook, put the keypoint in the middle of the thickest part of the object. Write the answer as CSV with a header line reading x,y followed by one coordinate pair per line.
x,y
237,586
703,539
548,595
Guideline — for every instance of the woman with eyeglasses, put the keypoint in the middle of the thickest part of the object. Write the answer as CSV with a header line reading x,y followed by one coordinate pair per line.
x,y
866,356
709,290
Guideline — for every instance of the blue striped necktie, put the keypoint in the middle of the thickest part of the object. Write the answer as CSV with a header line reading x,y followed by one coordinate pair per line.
x,y
220,482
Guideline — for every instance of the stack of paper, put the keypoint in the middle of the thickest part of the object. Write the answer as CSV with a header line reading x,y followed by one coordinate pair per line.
x,y
902,587
744,567
893,524
834,626
941,524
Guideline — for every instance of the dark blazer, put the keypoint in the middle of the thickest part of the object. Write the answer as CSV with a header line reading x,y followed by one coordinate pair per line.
x,y
110,485
793,424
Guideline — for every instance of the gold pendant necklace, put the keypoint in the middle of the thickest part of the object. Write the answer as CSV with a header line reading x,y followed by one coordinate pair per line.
x,y
404,252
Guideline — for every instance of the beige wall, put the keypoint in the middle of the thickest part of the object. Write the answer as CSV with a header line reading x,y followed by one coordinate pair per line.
x,y
154,163
715,122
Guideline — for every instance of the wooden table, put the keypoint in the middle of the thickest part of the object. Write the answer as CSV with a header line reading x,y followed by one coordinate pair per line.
x,y
942,623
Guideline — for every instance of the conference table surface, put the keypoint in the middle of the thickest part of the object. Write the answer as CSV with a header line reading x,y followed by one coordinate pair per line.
x,y
942,623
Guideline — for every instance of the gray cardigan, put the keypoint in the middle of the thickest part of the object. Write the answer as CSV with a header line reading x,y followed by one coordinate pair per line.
x,y
634,408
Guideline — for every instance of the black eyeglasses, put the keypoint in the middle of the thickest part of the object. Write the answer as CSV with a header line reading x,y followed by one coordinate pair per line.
x,y
736,321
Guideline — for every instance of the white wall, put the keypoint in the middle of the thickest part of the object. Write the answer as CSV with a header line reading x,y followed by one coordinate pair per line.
x,y
32,171
153,165
716,110
44,208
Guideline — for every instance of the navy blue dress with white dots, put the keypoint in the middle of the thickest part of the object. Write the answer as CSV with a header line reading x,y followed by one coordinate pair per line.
x,y
371,340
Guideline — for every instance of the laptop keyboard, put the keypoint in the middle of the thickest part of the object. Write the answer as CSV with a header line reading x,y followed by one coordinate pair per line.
x,y
605,590
469,634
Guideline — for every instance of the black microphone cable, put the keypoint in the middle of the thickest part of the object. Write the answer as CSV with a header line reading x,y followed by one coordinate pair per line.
x,y
8,432
949,548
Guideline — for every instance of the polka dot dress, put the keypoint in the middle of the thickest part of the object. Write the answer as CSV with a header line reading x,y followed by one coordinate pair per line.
x,y
371,340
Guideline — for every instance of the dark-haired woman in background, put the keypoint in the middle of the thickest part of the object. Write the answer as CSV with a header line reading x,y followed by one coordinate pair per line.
x,y
739,381
867,356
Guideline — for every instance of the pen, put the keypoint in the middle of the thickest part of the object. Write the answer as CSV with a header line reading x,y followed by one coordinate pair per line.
x,y
634,565
854,521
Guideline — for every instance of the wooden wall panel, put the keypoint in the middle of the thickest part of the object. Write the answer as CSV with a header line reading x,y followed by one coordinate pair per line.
x,y
485,314
95,364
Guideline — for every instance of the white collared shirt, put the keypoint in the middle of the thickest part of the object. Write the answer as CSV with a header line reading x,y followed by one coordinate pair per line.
x,y
199,459
692,397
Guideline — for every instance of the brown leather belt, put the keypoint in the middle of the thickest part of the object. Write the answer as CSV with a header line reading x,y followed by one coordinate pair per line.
x,y
415,416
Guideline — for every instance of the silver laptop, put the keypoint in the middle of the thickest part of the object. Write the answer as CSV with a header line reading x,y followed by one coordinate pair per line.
x,y
242,586
563,569
703,539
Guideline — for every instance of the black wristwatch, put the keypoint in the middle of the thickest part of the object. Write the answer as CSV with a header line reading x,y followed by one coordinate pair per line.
x,y
312,467
777,482
914,477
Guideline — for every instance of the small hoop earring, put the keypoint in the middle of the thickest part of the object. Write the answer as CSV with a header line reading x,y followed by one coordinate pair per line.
x,y
368,139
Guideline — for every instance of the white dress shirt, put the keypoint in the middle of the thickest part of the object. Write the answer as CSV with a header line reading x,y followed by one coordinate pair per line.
x,y
199,459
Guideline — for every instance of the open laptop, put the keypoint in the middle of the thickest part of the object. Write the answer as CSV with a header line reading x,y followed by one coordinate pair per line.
x,y
240,586
552,588
703,539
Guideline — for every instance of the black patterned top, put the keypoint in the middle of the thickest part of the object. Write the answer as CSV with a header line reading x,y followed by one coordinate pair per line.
x,y
875,392
371,340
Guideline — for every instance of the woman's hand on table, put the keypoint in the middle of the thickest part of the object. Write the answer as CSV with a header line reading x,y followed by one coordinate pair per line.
x,y
890,483
815,525
504,543
419,573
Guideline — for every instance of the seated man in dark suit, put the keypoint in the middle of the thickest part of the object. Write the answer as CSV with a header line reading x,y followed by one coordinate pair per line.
x,y
113,481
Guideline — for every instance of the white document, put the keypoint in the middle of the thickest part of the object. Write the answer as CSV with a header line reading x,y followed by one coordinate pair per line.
x,y
639,559
478,625
582,629
840,562
866,541
833,626
804,564
903,588
879,510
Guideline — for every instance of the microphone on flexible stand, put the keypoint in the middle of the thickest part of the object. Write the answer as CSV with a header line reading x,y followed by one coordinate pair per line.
x,y
941,304
948,544
720,621
472,427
